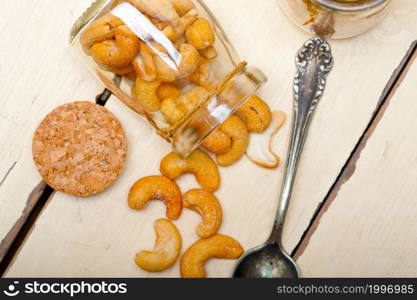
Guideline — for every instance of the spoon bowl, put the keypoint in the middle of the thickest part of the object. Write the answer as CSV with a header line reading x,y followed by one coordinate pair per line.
x,y
266,261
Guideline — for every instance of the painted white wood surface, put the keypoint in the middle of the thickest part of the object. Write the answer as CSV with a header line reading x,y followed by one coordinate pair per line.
x,y
370,229
38,72
100,235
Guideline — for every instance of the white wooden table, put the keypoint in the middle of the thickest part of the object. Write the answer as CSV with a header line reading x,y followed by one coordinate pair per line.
x,y
354,206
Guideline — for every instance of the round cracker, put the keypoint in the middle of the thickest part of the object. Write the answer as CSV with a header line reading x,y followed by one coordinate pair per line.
x,y
79,148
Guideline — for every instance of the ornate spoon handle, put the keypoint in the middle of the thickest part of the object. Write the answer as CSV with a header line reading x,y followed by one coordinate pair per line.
x,y
314,61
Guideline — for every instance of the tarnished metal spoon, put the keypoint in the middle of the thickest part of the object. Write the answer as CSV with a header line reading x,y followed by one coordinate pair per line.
x,y
314,61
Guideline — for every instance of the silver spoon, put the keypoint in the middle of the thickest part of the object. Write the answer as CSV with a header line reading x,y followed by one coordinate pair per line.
x,y
314,61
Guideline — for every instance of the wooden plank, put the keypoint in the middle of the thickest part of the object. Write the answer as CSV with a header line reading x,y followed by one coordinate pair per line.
x,y
369,228
99,236
349,168
38,71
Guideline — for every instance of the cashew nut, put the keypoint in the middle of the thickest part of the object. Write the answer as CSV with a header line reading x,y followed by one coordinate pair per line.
x,y
199,163
159,9
183,6
145,93
190,58
218,246
166,251
159,188
256,113
236,129
200,34
144,64
168,90
194,97
217,142
173,110
207,205
117,52
100,30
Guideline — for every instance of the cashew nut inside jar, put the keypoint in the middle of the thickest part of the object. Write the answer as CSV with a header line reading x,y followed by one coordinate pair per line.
x,y
169,61
337,19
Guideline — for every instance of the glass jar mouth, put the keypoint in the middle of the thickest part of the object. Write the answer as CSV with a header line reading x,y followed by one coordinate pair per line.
x,y
217,108
349,6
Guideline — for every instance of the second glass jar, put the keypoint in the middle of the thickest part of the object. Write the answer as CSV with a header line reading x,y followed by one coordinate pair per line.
x,y
337,19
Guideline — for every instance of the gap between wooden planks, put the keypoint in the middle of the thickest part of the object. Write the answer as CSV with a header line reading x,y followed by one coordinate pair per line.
x,y
280,70
366,227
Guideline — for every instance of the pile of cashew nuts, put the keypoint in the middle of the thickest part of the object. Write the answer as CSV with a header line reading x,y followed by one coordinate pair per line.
x,y
176,93
168,242
229,142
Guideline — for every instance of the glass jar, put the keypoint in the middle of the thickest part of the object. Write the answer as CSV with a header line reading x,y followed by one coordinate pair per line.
x,y
169,61
338,19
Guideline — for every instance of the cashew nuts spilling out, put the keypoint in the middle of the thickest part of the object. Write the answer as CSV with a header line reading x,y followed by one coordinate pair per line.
x,y
199,163
236,129
166,251
217,142
146,94
256,113
260,148
119,51
207,205
218,246
160,188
